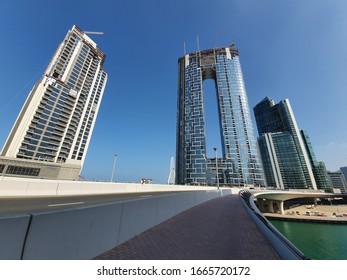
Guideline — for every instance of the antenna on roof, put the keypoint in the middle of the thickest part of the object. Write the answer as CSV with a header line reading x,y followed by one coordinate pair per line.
x,y
184,47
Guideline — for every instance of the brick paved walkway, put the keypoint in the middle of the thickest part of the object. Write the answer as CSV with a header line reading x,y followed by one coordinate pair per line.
x,y
217,229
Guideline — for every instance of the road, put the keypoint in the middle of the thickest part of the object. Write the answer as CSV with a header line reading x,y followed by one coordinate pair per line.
x,y
34,204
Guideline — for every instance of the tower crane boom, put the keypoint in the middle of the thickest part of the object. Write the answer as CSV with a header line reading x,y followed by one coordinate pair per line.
x,y
94,32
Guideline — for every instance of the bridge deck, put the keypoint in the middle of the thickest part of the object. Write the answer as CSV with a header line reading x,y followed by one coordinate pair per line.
x,y
217,229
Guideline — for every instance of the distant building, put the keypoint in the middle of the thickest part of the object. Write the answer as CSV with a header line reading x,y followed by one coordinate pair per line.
x,y
51,135
321,175
318,167
239,162
285,158
344,171
171,179
338,181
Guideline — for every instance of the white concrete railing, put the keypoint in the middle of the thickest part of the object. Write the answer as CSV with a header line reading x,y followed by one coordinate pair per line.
x,y
284,248
12,186
87,231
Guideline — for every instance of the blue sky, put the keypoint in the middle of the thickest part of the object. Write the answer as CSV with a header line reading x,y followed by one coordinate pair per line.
x,y
295,49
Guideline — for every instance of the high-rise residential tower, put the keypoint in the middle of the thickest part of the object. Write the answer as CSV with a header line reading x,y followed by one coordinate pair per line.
x,y
51,135
239,163
285,158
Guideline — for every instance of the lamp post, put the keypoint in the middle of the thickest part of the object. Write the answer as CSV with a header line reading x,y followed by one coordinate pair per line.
x,y
215,153
114,166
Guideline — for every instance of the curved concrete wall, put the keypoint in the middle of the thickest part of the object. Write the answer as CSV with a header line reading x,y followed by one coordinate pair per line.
x,y
86,232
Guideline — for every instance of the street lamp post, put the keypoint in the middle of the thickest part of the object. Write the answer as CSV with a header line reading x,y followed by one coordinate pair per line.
x,y
215,152
114,166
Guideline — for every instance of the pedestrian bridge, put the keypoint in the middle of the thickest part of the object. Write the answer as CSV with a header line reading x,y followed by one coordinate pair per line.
x,y
88,231
84,232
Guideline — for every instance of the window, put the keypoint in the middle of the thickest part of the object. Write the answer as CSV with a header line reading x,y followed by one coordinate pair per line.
x,y
21,170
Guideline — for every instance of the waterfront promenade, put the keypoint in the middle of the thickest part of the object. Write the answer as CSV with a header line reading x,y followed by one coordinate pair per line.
x,y
319,213
217,229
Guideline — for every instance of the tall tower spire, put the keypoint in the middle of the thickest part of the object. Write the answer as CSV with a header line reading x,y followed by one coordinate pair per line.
x,y
171,179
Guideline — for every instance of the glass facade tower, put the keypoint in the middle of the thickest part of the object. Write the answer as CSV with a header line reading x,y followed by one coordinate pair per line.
x,y
239,163
285,157
51,135
318,167
344,171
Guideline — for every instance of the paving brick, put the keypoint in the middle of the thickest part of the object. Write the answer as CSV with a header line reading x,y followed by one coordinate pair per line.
x,y
215,230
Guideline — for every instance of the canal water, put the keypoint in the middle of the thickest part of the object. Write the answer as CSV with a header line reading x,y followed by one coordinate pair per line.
x,y
318,241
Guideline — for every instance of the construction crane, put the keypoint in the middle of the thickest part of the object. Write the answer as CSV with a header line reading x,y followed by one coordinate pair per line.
x,y
94,32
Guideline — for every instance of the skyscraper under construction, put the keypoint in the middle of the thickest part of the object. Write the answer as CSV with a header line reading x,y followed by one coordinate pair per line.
x,y
51,135
240,163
